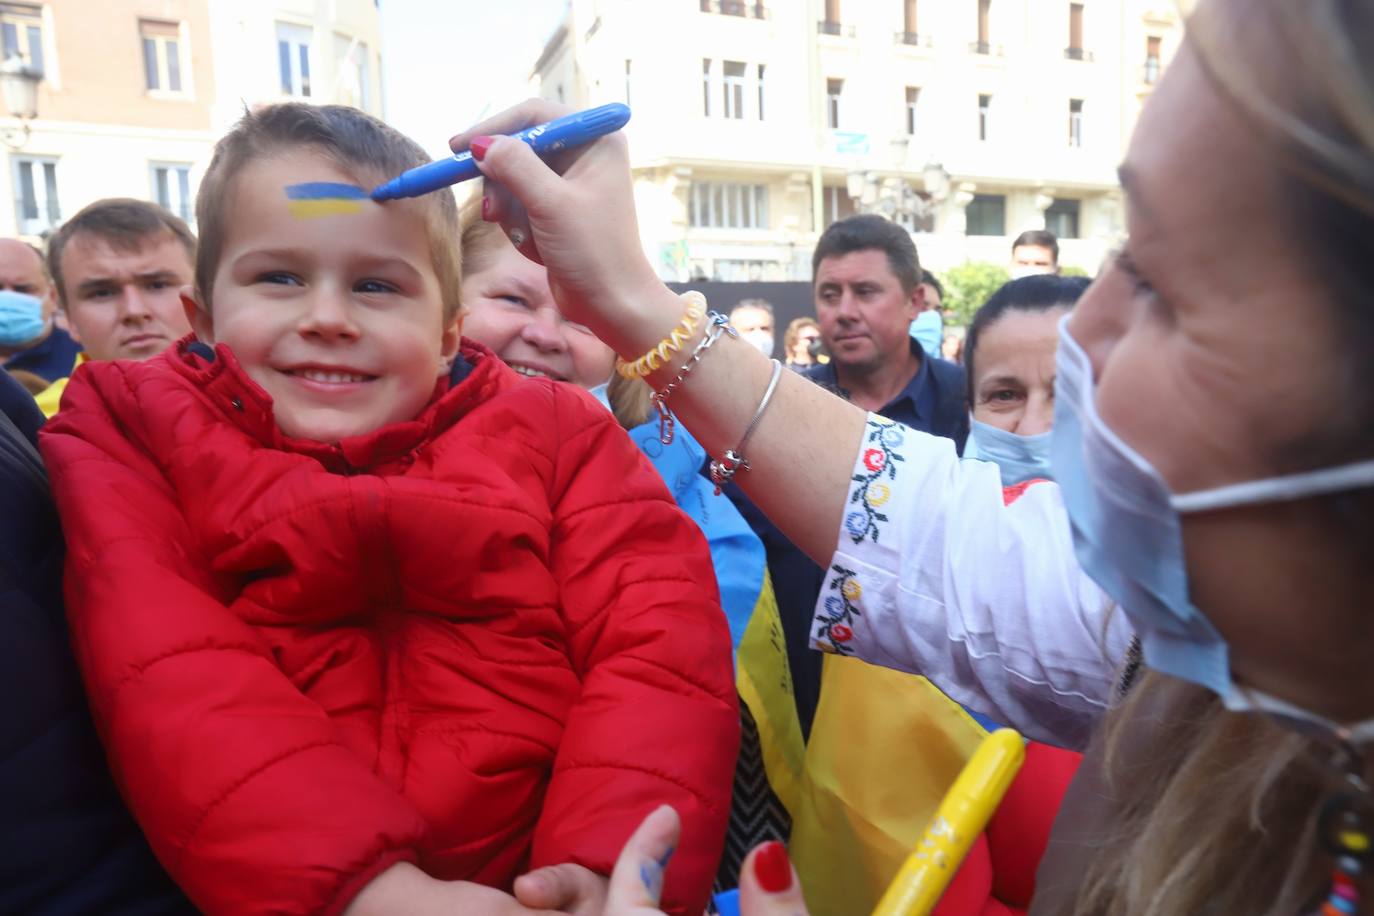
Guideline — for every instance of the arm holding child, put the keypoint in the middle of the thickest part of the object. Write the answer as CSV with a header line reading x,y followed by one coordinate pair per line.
x,y
657,720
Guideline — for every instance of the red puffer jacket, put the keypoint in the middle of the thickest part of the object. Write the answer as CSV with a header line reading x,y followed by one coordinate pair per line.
x,y
484,640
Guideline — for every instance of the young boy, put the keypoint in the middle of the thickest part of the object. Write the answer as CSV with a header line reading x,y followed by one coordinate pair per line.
x,y
365,617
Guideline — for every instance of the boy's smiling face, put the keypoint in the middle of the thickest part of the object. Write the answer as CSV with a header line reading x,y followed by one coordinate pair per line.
x,y
338,315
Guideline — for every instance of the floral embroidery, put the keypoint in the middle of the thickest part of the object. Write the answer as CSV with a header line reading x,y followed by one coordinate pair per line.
x,y
870,494
835,625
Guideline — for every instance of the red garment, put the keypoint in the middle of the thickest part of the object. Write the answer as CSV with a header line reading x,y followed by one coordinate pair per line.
x,y
997,878
484,640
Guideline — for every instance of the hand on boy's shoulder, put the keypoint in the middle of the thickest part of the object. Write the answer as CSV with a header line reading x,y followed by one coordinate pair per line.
x,y
567,888
403,888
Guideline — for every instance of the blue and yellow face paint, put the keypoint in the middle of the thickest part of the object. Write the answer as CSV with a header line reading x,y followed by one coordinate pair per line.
x,y
324,198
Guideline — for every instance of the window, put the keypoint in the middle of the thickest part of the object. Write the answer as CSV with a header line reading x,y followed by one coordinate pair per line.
x,y
832,11
1061,218
293,59
161,55
984,117
913,96
733,85
984,45
1076,123
36,201
354,84
836,204
760,92
833,90
21,28
627,82
706,86
909,17
729,206
987,215
1152,44
172,189
1075,48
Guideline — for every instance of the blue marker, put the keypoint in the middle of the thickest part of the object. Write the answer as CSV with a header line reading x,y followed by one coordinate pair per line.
x,y
571,130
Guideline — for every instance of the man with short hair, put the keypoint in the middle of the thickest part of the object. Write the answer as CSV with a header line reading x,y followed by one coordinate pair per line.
x,y
29,339
1035,251
867,284
753,319
118,267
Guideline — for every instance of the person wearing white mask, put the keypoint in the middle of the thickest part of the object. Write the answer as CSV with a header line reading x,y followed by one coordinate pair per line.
x,y
1213,456
1009,356
753,319
1035,251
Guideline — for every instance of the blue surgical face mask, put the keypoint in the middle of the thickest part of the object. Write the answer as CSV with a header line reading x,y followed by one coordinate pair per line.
x,y
1019,458
1128,537
21,318
929,331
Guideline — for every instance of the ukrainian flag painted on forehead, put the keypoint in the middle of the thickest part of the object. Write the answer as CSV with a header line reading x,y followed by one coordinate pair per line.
x,y
324,198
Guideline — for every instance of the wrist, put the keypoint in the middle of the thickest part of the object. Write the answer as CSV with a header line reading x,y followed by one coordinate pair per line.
x,y
644,314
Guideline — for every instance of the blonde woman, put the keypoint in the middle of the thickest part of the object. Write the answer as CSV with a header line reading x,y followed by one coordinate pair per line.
x,y
801,343
1214,463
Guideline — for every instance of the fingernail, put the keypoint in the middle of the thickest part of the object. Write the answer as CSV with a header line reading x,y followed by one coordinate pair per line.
x,y
479,147
772,867
486,209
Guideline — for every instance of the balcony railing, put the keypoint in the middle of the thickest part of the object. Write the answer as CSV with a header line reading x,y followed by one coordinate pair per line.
x,y
830,27
1078,54
985,47
914,39
741,8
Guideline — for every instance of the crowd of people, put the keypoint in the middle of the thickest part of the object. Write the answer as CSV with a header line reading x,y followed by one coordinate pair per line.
x,y
382,558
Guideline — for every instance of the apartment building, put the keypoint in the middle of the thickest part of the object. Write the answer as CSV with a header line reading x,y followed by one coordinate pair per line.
x,y
758,122
132,94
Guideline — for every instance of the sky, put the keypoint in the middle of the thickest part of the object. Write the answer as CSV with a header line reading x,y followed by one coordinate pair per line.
x,y
448,63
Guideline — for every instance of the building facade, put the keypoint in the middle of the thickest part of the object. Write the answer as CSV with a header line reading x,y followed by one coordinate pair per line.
x,y
134,93
756,124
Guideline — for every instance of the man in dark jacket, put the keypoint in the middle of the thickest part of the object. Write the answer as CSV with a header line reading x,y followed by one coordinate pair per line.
x,y
67,844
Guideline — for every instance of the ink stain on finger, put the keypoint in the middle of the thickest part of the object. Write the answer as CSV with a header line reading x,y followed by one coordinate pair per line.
x,y
324,198
651,875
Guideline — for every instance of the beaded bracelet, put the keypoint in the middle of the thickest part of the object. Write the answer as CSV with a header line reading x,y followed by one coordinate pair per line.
x,y
717,326
660,352
733,461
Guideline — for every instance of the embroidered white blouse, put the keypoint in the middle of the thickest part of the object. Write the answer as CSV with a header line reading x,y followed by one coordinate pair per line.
x,y
940,571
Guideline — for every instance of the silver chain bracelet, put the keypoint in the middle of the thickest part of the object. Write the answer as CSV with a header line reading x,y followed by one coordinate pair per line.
x,y
717,325
724,469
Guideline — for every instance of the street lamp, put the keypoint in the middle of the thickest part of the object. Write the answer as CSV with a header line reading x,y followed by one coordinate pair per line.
x,y
20,84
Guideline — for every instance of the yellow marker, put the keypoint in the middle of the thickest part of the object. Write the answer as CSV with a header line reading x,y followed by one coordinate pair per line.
x,y
961,817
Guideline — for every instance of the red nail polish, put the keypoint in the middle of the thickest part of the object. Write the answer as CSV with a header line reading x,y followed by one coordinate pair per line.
x,y
772,867
479,147
486,209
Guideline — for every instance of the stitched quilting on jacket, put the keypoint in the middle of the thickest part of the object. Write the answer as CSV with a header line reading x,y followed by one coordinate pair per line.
x,y
482,640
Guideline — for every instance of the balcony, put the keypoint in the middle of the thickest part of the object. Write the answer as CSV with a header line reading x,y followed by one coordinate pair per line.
x,y
740,8
830,27
985,47
914,40
1077,54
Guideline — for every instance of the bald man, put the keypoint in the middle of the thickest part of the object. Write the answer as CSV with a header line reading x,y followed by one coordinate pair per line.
x,y
29,340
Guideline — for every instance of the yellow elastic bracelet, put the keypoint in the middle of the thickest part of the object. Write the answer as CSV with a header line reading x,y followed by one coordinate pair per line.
x,y
661,352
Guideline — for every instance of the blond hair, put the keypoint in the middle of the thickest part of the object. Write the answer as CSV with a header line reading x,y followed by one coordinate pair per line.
x,y
1215,811
360,145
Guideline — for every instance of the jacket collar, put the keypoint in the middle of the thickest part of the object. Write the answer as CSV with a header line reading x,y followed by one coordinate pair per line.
x,y
477,375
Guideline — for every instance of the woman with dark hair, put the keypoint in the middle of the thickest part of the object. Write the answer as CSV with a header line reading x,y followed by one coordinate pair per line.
x,y
1009,354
